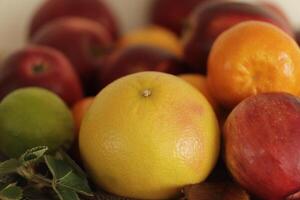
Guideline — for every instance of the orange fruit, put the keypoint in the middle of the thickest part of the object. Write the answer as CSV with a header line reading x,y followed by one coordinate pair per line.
x,y
200,83
147,135
250,58
154,36
79,109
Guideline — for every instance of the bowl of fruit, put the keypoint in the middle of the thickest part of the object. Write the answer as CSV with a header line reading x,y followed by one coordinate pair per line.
x,y
152,99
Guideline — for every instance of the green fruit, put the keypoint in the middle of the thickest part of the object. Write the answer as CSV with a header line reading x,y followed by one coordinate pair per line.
x,y
31,117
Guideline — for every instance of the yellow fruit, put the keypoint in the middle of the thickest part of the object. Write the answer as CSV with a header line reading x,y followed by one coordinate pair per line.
x,y
154,36
147,135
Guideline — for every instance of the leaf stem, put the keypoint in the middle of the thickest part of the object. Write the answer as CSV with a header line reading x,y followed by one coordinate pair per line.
x,y
39,180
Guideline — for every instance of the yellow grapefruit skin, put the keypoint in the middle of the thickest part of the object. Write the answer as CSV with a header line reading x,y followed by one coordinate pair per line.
x,y
147,135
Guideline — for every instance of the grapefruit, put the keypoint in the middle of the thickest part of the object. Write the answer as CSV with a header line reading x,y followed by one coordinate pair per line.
x,y
147,135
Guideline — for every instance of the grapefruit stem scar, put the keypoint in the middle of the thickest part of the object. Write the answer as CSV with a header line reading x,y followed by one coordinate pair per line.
x,y
146,93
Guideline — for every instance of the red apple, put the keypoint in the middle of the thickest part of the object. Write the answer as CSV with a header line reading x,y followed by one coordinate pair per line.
x,y
83,41
261,139
137,58
95,10
210,19
173,14
220,190
42,67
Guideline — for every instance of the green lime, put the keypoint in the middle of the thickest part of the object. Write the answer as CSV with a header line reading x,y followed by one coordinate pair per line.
x,y
31,117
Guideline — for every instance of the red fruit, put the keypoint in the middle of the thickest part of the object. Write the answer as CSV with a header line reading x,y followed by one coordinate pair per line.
x,y
210,19
83,41
95,10
262,138
43,67
224,190
173,14
134,59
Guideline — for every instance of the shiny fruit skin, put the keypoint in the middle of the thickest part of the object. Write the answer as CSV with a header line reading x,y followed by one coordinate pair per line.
x,y
200,82
261,140
212,18
40,66
84,42
147,135
250,58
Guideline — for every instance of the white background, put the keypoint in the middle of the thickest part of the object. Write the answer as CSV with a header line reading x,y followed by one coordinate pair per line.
x,y
15,16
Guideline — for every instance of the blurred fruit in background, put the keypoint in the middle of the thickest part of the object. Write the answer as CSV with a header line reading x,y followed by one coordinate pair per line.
x,y
276,8
31,117
173,14
79,110
83,41
43,67
95,10
216,191
147,135
210,19
137,58
200,83
262,137
251,58
153,36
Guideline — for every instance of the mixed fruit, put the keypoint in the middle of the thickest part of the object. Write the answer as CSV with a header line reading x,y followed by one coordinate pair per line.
x,y
201,103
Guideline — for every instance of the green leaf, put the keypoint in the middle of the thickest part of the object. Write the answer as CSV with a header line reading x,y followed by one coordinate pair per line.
x,y
66,193
9,166
76,183
65,176
71,163
11,192
58,168
33,155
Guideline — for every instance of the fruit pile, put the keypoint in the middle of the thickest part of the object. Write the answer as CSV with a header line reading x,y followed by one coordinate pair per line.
x,y
200,104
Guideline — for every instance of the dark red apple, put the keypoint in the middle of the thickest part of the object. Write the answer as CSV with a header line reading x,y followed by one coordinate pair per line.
x,y
96,10
261,139
83,41
172,14
42,67
220,190
137,58
210,19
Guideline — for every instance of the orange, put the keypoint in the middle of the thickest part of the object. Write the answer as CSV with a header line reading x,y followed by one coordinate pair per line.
x,y
154,36
79,109
147,135
250,58
200,83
